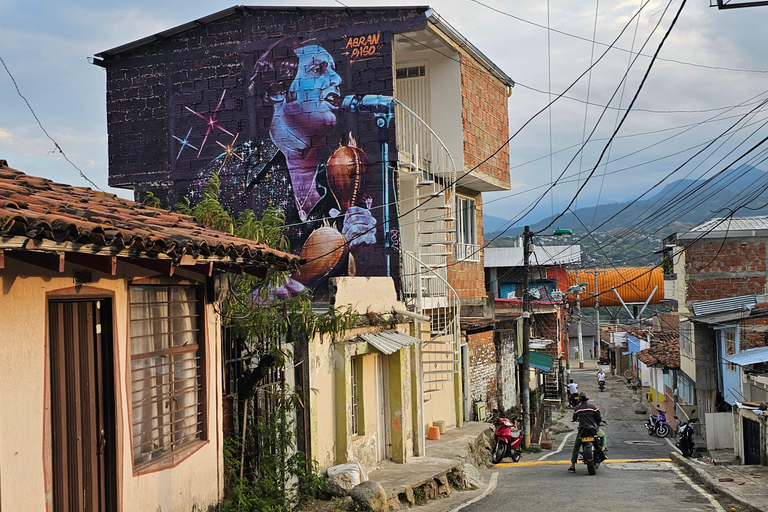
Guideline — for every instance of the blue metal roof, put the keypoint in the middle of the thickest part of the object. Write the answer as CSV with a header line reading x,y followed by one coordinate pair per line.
x,y
748,357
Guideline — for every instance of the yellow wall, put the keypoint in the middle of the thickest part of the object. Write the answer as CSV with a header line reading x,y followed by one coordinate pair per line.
x,y
330,400
25,431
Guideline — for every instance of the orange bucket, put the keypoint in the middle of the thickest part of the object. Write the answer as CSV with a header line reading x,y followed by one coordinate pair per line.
x,y
434,433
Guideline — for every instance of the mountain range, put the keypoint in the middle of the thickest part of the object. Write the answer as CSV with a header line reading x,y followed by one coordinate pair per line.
x,y
630,232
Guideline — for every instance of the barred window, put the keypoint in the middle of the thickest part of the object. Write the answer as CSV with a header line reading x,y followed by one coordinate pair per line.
x,y
166,370
730,347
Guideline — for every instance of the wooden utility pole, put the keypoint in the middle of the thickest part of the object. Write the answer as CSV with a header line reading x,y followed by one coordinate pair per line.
x,y
525,372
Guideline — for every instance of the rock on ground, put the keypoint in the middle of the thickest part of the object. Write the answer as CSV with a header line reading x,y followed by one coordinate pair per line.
x,y
370,495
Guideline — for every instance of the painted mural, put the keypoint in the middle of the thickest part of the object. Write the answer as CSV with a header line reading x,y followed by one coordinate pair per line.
x,y
301,129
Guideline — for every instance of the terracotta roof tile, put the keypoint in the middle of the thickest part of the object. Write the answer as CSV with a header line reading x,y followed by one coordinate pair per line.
x,y
664,353
38,208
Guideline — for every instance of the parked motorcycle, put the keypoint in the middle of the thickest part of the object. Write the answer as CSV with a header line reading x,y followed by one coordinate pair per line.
x,y
591,450
657,424
685,436
508,442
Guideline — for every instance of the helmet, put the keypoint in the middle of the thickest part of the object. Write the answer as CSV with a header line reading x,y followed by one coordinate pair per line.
x,y
583,396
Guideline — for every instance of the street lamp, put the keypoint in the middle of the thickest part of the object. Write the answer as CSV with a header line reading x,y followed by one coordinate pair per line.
x,y
526,370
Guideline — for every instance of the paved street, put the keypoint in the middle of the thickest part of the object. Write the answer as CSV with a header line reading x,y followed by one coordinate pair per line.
x,y
541,482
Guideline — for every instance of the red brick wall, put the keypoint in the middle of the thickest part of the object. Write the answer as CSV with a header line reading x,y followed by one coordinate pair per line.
x,y
485,119
483,381
753,333
716,270
468,277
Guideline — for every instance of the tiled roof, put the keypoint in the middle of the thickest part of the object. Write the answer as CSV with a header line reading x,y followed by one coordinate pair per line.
x,y
62,218
665,353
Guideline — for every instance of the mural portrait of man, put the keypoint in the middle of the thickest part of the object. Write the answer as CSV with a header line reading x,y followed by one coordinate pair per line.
x,y
290,163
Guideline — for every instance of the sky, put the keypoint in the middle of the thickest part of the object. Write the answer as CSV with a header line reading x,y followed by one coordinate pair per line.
x,y
45,46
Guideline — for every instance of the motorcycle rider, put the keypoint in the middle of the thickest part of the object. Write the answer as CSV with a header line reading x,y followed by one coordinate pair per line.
x,y
600,377
573,389
588,415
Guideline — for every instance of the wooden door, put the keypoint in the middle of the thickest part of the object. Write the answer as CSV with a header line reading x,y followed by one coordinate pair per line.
x,y
82,406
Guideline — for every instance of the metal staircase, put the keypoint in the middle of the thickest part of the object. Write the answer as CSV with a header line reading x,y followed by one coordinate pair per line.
x,y
424,157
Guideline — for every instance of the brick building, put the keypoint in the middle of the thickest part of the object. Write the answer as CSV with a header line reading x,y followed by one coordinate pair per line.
x,y
357,123
717,276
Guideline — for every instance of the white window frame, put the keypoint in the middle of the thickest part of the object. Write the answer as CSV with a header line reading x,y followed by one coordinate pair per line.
x,y
467,248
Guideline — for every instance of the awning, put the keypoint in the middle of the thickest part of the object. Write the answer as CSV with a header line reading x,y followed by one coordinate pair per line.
x,y
388,342
539,361
747,357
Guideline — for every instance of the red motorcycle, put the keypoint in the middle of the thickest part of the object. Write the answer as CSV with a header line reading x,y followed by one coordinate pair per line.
x,y
508,442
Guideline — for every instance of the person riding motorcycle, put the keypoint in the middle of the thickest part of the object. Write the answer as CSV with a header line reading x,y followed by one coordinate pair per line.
x,y
600,377
588,415
573,389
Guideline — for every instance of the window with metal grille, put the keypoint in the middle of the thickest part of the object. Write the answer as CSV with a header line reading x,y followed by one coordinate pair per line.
x,y
466,230
730,347
166,370
355,398
411,72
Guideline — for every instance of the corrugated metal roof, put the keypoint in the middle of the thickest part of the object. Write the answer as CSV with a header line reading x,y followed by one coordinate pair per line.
x,y
747,357
388,342
708,307
732,228
539,360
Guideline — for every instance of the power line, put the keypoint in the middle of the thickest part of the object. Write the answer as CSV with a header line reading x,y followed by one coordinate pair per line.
x,y
705,66
40,124
631,103
494,153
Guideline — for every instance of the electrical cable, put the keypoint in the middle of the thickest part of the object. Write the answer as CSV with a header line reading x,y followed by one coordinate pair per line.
x,y
631,103
40,124
586,105
518,18
494,153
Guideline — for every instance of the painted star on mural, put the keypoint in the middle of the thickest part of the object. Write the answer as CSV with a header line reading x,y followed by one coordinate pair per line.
x,y
210,121
184,143
229,150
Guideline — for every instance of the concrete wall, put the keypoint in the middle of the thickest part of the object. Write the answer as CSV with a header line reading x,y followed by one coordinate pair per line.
x,y
719,430
506,357
25,410
483,376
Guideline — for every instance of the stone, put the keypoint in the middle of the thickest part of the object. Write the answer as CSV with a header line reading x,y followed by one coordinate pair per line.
x,y
339,484
406,497
370,495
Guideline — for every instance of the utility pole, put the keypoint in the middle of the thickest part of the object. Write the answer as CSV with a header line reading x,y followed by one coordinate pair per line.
x,y
599,347
578,317
525,372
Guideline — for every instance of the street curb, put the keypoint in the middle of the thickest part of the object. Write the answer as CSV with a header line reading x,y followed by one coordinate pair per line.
x,y
703,478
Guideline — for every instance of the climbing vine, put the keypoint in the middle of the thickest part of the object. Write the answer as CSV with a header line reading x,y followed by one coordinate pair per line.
x,y
264,469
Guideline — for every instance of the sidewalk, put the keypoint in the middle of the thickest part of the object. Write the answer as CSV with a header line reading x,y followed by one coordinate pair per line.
x,y
452,459
745,485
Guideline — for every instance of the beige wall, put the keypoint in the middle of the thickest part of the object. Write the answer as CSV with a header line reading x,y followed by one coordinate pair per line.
x,y
330,400
25,433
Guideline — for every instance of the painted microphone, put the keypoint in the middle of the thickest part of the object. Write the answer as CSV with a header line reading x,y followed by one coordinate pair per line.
x,y
368,104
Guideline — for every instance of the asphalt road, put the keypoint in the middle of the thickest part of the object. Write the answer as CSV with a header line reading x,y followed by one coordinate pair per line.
x,y
541,481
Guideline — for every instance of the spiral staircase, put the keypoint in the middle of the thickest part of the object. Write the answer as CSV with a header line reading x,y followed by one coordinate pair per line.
x,y
427,198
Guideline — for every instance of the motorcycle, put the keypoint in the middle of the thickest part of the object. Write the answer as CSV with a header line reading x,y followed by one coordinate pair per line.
x,y
573,399
508,442
591,450
601,385
685,436
657,424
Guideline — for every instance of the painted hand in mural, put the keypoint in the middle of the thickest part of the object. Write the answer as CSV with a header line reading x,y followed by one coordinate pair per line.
x,y
359,227
289,289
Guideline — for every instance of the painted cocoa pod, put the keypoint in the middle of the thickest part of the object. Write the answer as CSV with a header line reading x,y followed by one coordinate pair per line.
x,y
345,169
324,250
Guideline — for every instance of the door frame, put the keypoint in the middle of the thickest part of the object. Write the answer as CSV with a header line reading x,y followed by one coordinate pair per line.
x,y
106,336
383,451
